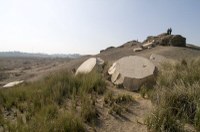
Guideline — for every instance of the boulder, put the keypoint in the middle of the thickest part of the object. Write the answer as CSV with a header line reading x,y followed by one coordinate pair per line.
x,y
178,40
88,65
149,44
164,40
132,72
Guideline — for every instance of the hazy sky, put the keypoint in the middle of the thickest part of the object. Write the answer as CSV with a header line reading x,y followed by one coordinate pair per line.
x,y
87,26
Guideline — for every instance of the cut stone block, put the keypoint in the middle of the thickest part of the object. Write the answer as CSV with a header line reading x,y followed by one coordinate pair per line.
x,y
132,72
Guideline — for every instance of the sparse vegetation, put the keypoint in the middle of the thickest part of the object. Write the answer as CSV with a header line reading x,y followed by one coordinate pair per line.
x,y
177,97
42,105
117,103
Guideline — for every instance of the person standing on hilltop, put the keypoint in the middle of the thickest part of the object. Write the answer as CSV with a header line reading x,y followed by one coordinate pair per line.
x,y
170,31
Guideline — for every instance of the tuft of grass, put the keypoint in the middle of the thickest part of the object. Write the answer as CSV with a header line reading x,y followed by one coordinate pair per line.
x,y
91,82
161,120
123,99
88,110
177,97
68,123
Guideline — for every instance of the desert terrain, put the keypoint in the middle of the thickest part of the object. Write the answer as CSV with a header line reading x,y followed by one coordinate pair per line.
x,y
129,120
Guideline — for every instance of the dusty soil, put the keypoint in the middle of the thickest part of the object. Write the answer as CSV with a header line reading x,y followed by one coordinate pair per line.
x,y
131,121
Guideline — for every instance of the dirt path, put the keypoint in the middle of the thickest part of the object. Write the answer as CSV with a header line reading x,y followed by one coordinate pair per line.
x,y
132,121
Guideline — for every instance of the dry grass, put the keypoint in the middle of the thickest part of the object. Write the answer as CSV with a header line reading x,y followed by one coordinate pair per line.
x,y
117,104
43,103
177,97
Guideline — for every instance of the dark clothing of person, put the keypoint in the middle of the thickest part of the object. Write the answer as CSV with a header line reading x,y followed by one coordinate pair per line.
x,y
170,31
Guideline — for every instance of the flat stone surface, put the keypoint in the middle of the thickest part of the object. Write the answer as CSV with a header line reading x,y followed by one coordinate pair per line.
x,y
135,67
87,66
112,69
132,72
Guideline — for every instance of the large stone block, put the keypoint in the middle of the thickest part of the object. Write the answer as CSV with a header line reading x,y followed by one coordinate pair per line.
x,y
132,72
88,65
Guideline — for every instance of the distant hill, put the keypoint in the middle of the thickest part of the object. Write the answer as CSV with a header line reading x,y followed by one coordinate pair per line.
x,y
37,55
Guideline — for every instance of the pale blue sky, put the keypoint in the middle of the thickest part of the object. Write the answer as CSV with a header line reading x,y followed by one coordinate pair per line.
x,y
87,26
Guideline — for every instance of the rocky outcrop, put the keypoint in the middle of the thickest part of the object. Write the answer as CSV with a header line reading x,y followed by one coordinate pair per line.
x,y
167,40
178,40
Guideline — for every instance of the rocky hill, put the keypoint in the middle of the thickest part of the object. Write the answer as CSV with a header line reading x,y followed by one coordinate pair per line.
x,y
99,101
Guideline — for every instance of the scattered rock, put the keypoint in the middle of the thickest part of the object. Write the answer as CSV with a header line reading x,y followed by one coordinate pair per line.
x,y
88,65
132,72
137,49
11,84
149,44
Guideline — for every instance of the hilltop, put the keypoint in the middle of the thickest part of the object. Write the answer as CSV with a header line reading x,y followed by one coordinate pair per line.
x,y
112,53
